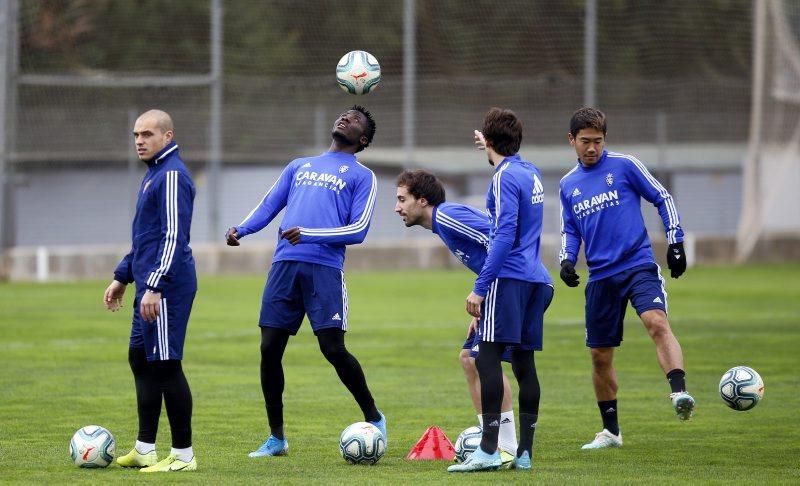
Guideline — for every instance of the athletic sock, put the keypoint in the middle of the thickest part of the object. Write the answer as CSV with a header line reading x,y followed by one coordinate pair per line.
x,y
491,430
144,447
608,412
186,454
677,380
480,420
277,432
527,429
507,440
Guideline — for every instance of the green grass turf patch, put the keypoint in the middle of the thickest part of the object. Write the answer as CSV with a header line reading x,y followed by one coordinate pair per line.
x,y
63,364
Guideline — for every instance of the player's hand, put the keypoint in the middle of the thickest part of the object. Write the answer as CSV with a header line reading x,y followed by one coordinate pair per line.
x,y
112,298
480,141
676,259
473,326
292,234
568,274
232,237
474,302
149,308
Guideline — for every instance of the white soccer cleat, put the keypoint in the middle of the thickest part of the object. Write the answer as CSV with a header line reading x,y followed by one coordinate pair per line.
x,y
683,403
603,440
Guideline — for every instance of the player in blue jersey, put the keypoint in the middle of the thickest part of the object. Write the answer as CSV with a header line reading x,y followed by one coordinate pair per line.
x,y
328,202
509,295
161,264
465,231
600,201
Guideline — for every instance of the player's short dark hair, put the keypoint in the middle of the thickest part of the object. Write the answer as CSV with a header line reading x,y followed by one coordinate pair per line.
x,y
503,131
421,183
587,118
370,131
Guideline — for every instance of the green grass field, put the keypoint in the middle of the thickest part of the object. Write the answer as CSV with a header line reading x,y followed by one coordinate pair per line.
x,y
63,364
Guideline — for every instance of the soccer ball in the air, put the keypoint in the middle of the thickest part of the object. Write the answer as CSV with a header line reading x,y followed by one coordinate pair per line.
x,y
92,446
467,442
741,388
358,72
362,443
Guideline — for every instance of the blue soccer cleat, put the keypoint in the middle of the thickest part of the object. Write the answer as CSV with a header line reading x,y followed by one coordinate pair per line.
x,y
478,461
381,425
523,462
271,447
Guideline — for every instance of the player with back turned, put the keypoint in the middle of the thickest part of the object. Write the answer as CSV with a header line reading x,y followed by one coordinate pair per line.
x,y
600,204
465,231
329,200
510,293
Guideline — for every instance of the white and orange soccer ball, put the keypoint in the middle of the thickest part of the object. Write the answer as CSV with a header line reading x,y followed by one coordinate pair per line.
x,y
92,446
358,72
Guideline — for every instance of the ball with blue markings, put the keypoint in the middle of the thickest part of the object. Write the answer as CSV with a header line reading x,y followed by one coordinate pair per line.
x,y
92,447
358,72
741,388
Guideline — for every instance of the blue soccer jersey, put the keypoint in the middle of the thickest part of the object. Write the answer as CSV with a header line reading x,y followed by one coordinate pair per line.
x,y
331,198
160,258
465,231
600,205
515,205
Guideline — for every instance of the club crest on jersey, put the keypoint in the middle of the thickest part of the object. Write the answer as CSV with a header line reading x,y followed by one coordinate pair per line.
x,y
343,169
609,179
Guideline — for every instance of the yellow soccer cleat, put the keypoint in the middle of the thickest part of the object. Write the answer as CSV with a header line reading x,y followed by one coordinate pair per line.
x,y
170,464
507,458
135,459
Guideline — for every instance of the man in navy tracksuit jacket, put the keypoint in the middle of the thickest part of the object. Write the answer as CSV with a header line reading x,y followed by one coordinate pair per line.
x,y
329,200
465,231
600,204
510,292
161,265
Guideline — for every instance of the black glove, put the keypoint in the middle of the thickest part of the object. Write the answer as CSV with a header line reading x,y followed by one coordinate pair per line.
x,y
676,259
568,274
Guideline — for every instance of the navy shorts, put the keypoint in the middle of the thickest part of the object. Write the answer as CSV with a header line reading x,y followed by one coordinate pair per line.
x,y
162,339
473,342
607,300
513,313
294,289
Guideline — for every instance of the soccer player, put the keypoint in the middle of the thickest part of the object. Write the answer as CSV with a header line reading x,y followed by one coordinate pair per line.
x,y
600,200
465,232
161,264
329,200
510,292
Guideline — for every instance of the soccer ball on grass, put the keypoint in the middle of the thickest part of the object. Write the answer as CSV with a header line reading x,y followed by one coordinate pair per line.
x,y
741,388
92,446
467,442
362,443
358,72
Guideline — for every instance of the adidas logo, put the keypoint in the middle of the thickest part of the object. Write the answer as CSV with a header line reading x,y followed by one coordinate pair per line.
x,y
494,423
658,300
336,317
506,421
611,409
307,164
576,192
538,191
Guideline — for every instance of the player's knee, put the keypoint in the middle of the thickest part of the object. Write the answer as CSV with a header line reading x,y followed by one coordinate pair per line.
x,y
333,352
657,325
467,362
602,358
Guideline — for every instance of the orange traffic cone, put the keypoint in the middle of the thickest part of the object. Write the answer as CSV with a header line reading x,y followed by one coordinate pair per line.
x,y
433,445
